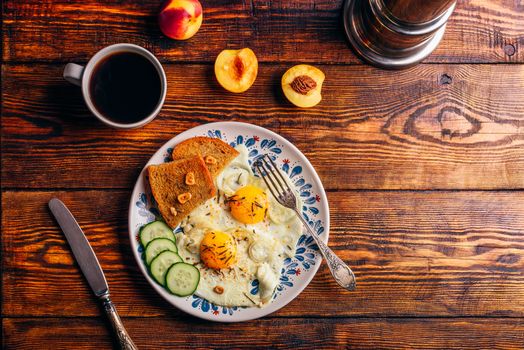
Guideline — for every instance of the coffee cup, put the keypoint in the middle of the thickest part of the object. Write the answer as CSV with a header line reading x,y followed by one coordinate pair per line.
x,y
123,85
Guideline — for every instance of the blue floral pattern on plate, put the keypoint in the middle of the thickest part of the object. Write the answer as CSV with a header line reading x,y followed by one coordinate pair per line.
x,y
306,254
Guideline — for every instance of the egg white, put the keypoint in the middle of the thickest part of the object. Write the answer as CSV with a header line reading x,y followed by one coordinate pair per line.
x,y
261,247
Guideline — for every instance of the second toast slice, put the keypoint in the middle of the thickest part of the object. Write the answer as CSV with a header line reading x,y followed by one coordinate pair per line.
x,y
216,153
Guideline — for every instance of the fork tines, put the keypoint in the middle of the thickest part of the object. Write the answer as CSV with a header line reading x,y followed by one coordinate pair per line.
x,y
272,176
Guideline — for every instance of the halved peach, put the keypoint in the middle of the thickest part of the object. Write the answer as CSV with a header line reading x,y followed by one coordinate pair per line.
x,y
236,70
302,85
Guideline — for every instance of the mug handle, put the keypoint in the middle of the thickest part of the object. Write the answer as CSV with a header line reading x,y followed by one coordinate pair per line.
x,y
73,73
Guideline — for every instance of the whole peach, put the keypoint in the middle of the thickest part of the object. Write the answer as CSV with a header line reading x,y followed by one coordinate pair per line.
x,y
180,19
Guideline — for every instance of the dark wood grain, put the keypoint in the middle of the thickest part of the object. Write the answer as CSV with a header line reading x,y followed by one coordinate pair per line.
x,y
470,333
437,269
433,127
414,253
305,31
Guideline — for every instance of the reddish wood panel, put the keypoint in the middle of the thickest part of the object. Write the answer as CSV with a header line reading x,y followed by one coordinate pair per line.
x,y
433,127
414,253
304,333
435,269
305,31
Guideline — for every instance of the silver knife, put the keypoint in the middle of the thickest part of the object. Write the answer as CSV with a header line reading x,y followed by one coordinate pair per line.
x,y
90,266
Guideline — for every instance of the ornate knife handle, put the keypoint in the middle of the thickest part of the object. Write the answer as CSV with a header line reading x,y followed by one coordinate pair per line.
x,y
123,338
340,271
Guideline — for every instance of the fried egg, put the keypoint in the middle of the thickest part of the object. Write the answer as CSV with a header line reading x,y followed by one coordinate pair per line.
x,y
239,236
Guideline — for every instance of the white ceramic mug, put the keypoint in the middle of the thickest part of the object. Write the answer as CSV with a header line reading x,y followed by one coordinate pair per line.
x,y
81,76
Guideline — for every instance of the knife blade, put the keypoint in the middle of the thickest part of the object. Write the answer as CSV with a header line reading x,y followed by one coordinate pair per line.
x,y
84,254
88,262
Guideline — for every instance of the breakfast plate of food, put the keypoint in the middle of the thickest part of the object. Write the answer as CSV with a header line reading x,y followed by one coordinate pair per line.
x,y
207,233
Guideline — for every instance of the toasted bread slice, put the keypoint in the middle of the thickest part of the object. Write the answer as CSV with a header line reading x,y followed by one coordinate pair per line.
x,y
216,153
169,185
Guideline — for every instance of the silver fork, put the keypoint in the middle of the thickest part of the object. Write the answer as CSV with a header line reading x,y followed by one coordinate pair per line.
x,y
284,195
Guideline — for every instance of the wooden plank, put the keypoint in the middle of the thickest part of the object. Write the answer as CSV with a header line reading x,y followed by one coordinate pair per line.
x,y
429,127
309,31
183,332
414,253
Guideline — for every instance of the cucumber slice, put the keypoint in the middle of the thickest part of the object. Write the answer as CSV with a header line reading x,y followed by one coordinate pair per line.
x,y
155,229
157,246
182,279
161,264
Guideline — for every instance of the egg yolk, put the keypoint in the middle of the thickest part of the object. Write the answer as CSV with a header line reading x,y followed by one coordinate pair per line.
x,y
249,205
218,250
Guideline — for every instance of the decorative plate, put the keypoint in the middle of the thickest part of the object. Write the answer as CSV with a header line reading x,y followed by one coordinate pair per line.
x,y
298,271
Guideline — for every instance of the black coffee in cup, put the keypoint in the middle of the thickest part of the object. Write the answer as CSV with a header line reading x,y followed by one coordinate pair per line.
x,y
125,87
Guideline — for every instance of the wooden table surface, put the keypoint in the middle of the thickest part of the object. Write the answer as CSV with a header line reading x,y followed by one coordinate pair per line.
x,y
423,168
